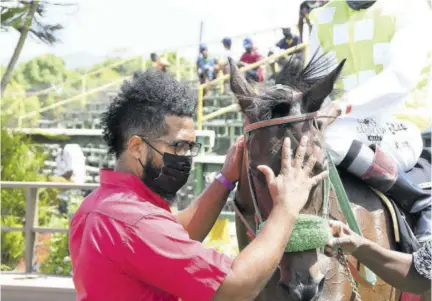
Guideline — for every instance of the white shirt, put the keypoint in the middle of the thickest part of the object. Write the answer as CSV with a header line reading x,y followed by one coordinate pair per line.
x,y
71,158
235,55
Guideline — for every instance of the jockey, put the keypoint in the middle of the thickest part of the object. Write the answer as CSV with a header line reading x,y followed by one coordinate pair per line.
x,y
382,74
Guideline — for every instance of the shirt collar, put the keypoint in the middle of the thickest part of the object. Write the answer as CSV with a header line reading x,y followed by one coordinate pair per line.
x,y
132,182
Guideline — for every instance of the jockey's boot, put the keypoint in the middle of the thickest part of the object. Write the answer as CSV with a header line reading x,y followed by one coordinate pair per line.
x,y
381,172
416,201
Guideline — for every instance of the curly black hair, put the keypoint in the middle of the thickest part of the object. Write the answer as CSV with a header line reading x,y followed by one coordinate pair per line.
x,y
141,106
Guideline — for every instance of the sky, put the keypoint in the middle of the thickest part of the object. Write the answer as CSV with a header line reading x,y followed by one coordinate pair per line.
x,y
101,27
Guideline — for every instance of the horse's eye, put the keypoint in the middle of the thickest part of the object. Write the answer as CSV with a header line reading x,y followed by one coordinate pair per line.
x,y
280,110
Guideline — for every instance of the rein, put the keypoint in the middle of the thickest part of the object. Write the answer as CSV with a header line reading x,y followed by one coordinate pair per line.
x,y
333,182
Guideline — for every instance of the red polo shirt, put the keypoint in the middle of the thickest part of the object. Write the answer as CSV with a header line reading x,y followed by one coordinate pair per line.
x,y
253,57
126,245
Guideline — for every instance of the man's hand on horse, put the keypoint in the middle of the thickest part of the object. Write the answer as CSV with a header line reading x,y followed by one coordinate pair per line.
x,y
291,188
344,238
328,114
233,161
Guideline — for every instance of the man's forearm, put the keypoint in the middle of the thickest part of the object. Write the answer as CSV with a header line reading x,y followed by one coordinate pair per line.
x,y
200,216
255,265
393,267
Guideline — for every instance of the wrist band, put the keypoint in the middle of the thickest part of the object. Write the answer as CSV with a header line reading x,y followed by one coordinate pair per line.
x,y
223,180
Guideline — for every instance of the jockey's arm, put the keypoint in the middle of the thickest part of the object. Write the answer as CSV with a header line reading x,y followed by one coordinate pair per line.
x,y
408,56
407,272
395,268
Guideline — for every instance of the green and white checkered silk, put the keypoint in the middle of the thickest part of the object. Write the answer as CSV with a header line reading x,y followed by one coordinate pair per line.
x,y
363,38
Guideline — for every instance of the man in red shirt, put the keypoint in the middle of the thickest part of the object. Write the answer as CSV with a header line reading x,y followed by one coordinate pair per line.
x,y
251,56
125,244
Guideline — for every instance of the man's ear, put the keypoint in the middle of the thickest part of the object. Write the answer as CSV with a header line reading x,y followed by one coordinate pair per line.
x,y
314,97
136,147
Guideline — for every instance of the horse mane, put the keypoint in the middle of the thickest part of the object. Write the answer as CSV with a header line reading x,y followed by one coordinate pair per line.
x,y
293,77
300,78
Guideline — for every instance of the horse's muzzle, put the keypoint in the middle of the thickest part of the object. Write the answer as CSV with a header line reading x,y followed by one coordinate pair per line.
x,y
302,292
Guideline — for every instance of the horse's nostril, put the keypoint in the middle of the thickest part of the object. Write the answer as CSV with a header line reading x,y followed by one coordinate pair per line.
x,y
285,287
293,293
302,292
321,285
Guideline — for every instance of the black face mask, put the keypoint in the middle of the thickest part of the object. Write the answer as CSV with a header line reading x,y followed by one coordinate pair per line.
x,y
168,180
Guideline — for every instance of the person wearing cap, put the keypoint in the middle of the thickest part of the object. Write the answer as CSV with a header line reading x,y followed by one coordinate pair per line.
x,y
154,58
289,40
250,56
205,65
223,60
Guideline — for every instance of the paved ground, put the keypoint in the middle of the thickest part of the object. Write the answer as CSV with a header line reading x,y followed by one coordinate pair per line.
x,y
31,280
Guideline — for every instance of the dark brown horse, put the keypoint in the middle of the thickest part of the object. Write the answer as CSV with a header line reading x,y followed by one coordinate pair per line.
x,y
307,275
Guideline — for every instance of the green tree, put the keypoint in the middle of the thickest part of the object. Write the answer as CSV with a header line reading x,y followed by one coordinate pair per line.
x,y
43,72
20,162
35,75
26,17
15,103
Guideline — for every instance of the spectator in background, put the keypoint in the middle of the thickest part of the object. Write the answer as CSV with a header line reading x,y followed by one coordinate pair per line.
x,y
227,43
154,58
163,64
159,63
205,66
251,56
70,165
223,61
289,40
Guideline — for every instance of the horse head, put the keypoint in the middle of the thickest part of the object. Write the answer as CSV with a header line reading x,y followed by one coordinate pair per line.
x,y
299,91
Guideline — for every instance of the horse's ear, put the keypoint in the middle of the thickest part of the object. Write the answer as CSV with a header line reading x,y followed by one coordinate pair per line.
x,y
243,91
314,97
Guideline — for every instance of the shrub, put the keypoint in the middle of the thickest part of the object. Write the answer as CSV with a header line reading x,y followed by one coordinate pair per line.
x,y
21,161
